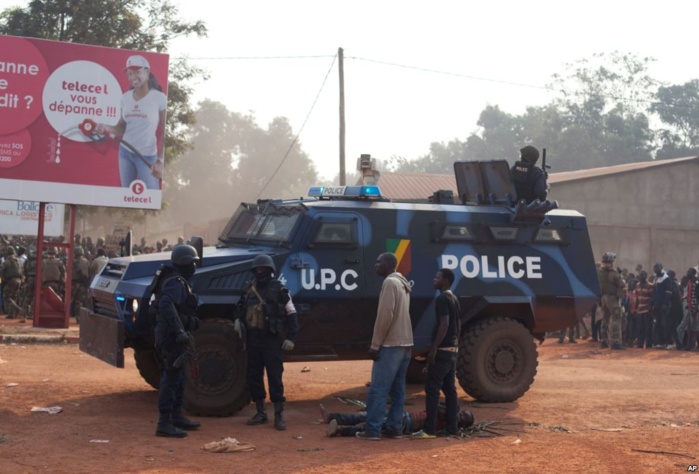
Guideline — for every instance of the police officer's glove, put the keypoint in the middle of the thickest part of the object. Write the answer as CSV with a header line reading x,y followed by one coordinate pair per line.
x,y
182,338
374,354
238,326
288,345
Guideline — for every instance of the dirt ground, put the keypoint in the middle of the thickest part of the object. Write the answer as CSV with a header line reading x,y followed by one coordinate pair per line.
x,y
589,410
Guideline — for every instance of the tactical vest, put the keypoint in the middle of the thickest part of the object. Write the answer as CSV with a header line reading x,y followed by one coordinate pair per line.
x,y
608,281
523,178
11,268
267,314
51,270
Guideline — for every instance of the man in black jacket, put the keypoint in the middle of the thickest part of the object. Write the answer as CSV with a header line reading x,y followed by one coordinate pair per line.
x,y
529,180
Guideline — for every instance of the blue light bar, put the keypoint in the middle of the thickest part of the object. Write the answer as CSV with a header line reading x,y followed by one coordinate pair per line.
x,y
315,191
346,191
121,298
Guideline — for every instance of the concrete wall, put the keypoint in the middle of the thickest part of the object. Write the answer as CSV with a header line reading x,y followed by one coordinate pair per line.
x,y
644,216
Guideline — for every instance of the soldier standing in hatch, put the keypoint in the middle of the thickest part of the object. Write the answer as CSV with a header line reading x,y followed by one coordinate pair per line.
x,y
613,288
529,180
11,276
268,316
80,282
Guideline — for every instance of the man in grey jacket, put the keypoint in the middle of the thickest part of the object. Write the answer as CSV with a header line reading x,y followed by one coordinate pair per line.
x,y
390,349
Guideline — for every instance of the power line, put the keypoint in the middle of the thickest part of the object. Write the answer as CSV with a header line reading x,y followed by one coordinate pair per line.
x,y
447,73
322,86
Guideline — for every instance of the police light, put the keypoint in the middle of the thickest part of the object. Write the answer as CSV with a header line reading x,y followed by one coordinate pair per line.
x,y
121,299
344,191
504,233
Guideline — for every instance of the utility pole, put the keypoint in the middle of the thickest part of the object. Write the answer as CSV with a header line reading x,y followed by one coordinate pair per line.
x,y
341,70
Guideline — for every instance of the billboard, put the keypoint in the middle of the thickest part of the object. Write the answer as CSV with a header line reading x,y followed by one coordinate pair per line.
x,y
81,124
22,218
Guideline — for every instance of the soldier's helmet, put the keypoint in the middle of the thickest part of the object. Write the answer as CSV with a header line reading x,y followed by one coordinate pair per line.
x,y
184,255
264,261
529,153
9,250
52,251
78,252
608,257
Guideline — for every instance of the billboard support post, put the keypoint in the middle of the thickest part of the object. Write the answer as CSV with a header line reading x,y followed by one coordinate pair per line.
x,y
47,315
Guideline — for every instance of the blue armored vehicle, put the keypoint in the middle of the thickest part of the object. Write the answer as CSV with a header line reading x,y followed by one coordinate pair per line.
x,y
521,271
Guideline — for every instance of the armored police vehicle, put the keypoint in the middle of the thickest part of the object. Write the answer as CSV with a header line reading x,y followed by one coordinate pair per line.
x,y
521,270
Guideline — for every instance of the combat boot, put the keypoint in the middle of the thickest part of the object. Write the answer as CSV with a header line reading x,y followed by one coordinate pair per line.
x,y
184,423
279,416
261,415
167,428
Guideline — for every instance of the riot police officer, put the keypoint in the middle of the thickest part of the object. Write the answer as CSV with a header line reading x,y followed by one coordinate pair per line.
x,y
529,180
267,315
176,319
613,288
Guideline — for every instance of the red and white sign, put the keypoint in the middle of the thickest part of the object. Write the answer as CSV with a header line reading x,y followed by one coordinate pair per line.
x,y
58,104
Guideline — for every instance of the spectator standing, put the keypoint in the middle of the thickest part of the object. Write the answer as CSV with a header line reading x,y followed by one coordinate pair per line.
x,y
441,358
390,350
662,299
644,299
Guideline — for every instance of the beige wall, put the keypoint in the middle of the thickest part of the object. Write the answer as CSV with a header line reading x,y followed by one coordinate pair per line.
x,y
644,216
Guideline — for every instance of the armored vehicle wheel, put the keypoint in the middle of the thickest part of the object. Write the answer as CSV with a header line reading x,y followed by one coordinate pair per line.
x,y
148,366
220,389
497,360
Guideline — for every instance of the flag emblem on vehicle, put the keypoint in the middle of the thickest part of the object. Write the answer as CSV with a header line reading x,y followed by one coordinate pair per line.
x,y
401,248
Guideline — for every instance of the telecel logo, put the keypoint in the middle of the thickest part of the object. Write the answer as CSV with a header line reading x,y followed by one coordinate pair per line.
x,y
327,278
138,186
486,266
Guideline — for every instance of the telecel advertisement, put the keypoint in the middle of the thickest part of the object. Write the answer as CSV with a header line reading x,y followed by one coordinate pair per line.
x,y
81,124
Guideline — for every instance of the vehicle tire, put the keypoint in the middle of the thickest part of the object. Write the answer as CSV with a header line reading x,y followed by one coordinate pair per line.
x,y
497,360
219,389
148,365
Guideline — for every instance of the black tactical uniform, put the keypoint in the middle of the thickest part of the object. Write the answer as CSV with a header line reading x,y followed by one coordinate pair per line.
x,y
270,319
176,318
529,180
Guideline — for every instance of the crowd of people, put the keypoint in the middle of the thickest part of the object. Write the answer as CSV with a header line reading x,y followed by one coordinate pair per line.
x,y
642,310
18,268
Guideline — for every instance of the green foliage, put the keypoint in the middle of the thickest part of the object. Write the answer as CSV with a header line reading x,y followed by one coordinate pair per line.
x,y
233,159
599,117
678,107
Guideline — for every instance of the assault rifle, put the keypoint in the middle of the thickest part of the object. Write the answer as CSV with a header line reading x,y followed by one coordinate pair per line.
x,y
190,356
544,166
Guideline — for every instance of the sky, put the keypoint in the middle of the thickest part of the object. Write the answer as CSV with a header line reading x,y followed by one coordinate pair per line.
x,y
414,72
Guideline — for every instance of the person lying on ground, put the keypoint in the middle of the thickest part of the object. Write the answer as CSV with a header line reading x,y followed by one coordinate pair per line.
x,y
348,424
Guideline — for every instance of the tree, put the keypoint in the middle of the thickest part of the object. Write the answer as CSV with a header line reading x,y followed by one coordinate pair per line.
x,y
604,104
233,159
147,25
678,107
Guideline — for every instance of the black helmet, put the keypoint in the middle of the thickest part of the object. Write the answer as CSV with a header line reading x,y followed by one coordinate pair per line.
x,y
184,255
264,261
608,257
529,153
